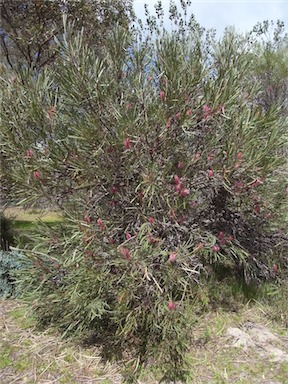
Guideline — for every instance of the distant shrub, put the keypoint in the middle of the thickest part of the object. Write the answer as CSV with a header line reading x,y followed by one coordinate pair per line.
x,y
6,232
11,263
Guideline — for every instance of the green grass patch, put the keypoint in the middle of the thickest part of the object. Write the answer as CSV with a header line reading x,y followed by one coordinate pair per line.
x,y
32,215
5,359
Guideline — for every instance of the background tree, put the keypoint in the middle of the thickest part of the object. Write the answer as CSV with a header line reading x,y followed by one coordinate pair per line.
x,y
29,27
271,68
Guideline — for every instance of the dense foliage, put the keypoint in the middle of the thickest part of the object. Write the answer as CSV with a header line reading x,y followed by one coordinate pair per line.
x,y
168,171
6,232
28,27
11,263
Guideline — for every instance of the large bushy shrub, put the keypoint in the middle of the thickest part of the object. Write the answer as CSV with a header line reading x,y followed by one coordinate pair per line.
x,y
168,172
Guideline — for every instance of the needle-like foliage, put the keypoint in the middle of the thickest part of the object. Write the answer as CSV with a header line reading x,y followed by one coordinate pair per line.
x,y
168,171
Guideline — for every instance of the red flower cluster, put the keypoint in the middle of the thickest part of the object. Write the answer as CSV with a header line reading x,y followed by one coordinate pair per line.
x,y
216,248
210,172
171,305
127,143
37,175
172,257
207,111
179,187
128,235
101,225
87,219
29,153
223,238
125,252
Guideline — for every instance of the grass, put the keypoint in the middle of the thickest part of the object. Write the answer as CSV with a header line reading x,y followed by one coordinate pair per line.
x,y
213,360
31,215
43,357
28,356
24,222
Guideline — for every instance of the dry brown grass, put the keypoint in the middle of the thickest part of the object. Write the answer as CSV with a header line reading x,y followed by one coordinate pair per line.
x,y
28,356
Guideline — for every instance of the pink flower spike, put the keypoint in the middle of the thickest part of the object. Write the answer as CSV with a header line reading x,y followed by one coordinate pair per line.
x,y
221,235
275,268
207,111
171,305
177,116
197,155
101,225
240,155
37,175
177,179
151,220
172,257
128,236
180,165
168,123
162,96
127,143
87,219
216,248
125,252
210,173
185,192
188,112
29,153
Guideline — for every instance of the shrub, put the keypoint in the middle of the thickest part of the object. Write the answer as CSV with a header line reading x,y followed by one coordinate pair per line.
x,y
6,232
11,263
168,172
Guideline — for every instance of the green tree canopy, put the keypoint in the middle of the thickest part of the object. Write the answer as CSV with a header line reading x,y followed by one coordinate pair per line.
x,y
29,27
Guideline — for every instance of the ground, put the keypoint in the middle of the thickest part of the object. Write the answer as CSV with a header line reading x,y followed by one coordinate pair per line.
x,y
229,347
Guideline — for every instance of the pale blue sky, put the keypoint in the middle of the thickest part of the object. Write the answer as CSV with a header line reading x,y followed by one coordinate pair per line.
x,y
243,14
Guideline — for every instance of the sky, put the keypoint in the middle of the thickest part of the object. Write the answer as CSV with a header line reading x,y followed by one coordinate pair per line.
x,y
218,14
